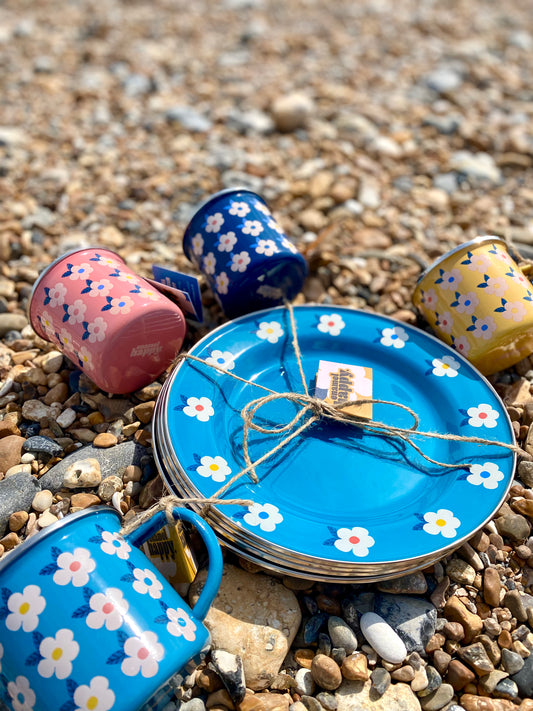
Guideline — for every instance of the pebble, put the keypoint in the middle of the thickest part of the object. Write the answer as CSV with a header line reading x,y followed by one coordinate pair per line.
x,y
413,584
17,520
412,618
109,487
291,111
305,683
524,678
511,661
104,440
514,526
16,494
82,473
354,695
83,500
42,500
230,669
380,679
513,601
355,667
264,702
326,672
460,571
382,637
491,587
478,167
66,418
52,361
10,451
456,611
438,698
11,322
341,634
477,658
44,448
47,519
35,410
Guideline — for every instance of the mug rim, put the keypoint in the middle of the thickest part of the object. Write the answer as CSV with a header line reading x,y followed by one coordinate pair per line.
x,y
473,242
207,201
50,266
33,540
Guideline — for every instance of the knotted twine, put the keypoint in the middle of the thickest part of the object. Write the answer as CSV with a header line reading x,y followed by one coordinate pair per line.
x,y
312,409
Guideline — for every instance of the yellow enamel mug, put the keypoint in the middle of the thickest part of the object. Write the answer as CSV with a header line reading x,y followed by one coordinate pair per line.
x,y
477,299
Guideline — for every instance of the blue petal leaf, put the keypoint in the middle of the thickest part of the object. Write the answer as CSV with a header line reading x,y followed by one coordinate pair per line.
x,y
71,686
33,659
161,619
418,526
116,657
333,531
49,569
122,637
82,611
330,541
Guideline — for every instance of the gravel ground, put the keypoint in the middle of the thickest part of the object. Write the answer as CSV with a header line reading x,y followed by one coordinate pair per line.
x,y
381,134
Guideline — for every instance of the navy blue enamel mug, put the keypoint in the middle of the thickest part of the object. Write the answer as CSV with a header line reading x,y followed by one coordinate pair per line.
x,y
87,623
247,259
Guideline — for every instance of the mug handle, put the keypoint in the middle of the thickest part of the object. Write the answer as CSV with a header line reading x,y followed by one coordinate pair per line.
x,y
214,573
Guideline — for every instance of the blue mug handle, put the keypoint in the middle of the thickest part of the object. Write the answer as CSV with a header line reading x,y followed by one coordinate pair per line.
x,y
214,574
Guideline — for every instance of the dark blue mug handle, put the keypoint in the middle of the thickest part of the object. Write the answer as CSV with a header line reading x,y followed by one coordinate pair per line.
x,y
214,573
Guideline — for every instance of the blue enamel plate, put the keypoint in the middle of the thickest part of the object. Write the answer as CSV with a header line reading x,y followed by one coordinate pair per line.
x,y
339,495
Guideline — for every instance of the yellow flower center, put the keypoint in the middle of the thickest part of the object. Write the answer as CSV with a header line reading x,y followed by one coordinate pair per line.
x,y
214,467
270,330
440,522
92,703
445,366
57,654
24,608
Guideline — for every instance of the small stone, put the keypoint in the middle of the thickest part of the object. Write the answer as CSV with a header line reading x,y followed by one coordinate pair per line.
x,y
420,680
326,672
83,500
355,667
359,696
44,448
109,486
382,638
513,526
9,541
341,634
413,619
524,678
456,611
52,362
489,682
476,657
491,587
453,631
144,411
11,322
381,680
305,683
10,451
471,702
58,393
513,601
104,440
16,494
66,418
304,657
47,519
434,680
17,469
17,520
511,661
412,584
42,500
264,702
208,680
476,166
441,660
438,698
292,111
219,699
35,410
460,571
405,674
84,473
327,701
229,667
132,473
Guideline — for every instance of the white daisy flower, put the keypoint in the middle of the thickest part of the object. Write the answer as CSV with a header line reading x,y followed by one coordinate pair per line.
x,y
442,521
22,695
97,696
332,324
58,654
114,544
215,468
224,359
266,516
214,222
180,624
487,475
270,331
240,209
197,244
445,366
143,655
483,416
267,247
96,329
226,242
147,582
74,568
395,337
108,610
209,263
222,283
354,540
24,608
199,407
252,227
240,261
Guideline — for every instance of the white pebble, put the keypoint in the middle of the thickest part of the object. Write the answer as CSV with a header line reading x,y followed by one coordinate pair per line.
x,y
17,469
305,685
380,635
27,458
42,500
66,418
46,519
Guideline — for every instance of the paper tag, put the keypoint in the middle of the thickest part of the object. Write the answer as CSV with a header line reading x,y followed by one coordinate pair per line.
x,y
339,382
182,288
171,554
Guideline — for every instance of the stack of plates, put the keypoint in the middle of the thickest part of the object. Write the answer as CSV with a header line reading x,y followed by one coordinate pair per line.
x,y
339,502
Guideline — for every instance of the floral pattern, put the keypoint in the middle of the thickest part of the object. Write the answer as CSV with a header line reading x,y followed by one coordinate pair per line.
x,y
512,310
142,655
482,415
270,331
222,359
57,654
199,407
266,516
465,303
97,288
496,286
240,209
215,468
356,540
476,262
22,695
74,568
252,227
239,262
441,522
449,280
487,475
95,330
114,544
332,324
265,246
461,344
118,305
146,582
180,624
226,242
209,263
482,327
222,283
429,298
24,609
396,336
78,271
214,222
197,244
445,366
55,295
107,610
444,322
97,696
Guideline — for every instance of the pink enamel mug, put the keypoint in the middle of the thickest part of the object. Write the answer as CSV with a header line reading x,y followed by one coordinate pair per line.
x,y
120,330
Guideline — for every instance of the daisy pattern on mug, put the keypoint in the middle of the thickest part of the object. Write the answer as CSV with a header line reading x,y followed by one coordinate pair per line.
x,y
266,516
74,568
57,654
24,608
222,283
226,242
96,696
239,262
180,624
461,344
449,280
444,322
146,582
252,227
512,310
482,327
107,609
94,330
494,285
22,695
465,303
476,262
114,544
55,295
142,655
239,209
214,222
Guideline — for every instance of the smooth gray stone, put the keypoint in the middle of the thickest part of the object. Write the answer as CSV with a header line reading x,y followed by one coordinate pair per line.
x,y
112,460
512,662
16,494
413,619
524,678
341,634
381,680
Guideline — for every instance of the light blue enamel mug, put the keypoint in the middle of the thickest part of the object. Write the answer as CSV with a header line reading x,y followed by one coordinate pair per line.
x,y
87,623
